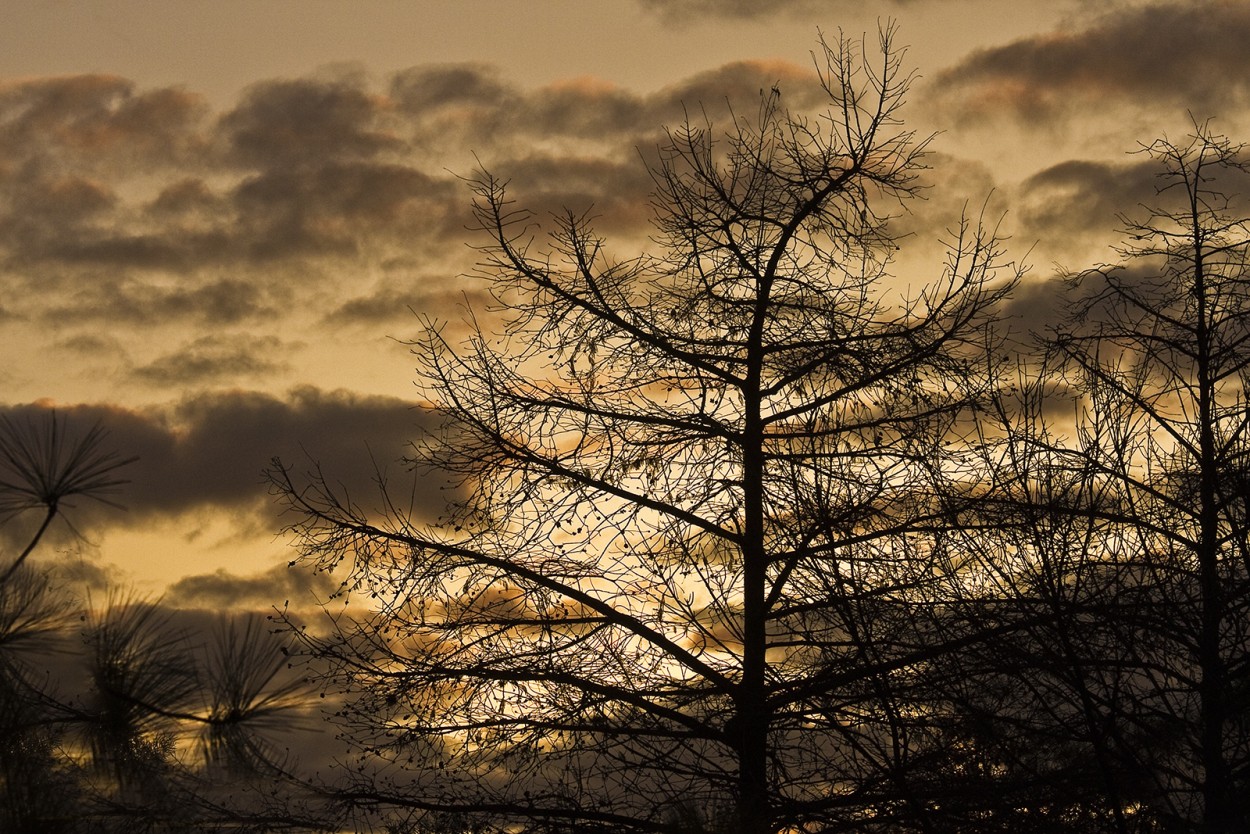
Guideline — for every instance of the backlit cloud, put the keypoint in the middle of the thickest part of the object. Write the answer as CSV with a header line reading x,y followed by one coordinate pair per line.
x,y
1182,56
98,123
121,301
216,357
1086,199
688,10
211,450
398,297
222,590
108,191
306,122
192,260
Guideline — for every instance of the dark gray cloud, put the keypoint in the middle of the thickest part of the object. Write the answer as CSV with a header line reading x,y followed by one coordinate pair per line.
x,y
1091,207
186,196
324,199
686,11
121,300
740,85
223,590
613,194
1082,202
430,89
451,104
65,199
305,122
386,304
1038,306
586,109
471,102
134,251
42,214
81,573
1178,56
95,123
1077,301
215,357
583,145
93,225
337,208
90,343
210,450
399,298
315,175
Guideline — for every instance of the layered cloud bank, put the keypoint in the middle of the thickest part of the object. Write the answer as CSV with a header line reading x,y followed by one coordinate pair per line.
x,y
211,450
1154,58
218,285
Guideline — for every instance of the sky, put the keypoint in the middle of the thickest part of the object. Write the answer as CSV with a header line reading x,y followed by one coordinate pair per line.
x,y
220,222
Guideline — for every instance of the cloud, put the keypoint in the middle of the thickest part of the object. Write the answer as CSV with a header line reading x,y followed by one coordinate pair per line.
x,y
740,84
94,224
470,103
613,194
223,590
322,199
1174,55
312,177
1084,211
686,11
385,304
336,208
428,89
586,108
1082,200
1079,301
1037,307
215,357
397,297
54,228
98,123
209,451
296,123
190,195
586,147
81,573
119,300
61,199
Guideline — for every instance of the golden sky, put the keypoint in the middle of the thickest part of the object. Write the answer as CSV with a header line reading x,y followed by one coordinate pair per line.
x,y
218,219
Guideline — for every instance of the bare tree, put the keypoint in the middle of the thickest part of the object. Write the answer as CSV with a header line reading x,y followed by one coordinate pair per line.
x,y
1169,357
1131,527
696,559
1036,703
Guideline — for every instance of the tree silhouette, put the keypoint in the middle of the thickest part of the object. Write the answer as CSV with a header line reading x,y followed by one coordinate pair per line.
x,y
248,696
1131,528
700,560
1167,363
43,467
101,754
38,791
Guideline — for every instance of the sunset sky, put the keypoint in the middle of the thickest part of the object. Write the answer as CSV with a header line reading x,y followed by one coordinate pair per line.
x,y
219,221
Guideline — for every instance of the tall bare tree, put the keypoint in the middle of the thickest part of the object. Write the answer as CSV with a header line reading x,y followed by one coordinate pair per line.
x,y
696,558
1169,357
1131,527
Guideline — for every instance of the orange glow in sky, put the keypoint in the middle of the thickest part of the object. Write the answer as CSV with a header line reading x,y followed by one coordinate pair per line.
x,y
217,219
